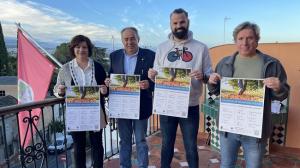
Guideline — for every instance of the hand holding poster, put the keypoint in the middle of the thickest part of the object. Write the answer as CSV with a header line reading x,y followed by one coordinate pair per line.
x,y
83,108
124,96
172,92
242,106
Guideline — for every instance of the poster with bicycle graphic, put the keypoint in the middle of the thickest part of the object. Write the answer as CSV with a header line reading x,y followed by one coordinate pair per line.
x,y
241,106
172,91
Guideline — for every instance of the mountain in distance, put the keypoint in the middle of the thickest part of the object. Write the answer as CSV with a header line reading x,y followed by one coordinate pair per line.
x,y
11,43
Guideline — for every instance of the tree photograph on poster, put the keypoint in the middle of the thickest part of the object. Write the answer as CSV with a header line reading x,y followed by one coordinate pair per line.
x,y
82,94
174,77
122,82
242,89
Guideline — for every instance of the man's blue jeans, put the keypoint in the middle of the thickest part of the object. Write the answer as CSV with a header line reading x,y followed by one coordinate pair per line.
x,y
126,128
189,128
253,150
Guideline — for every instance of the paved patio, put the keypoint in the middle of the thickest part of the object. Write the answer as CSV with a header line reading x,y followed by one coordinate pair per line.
x,y
279,157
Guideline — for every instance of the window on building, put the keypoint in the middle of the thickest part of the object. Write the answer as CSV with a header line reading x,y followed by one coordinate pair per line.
x,y
2,92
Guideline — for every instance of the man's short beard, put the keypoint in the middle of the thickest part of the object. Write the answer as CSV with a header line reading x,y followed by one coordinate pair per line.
x,y
180,34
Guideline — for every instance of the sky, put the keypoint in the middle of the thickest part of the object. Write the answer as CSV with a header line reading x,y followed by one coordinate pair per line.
x,y
57,21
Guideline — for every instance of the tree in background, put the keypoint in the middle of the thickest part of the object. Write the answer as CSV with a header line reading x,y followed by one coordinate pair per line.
x,y
99,54
63,56
62,53
4,68
12,66
56,126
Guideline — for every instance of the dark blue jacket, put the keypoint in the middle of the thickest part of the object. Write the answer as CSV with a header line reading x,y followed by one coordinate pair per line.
x,y
145,61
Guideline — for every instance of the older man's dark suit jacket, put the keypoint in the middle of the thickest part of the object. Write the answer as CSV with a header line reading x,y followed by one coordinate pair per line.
x,y
145,61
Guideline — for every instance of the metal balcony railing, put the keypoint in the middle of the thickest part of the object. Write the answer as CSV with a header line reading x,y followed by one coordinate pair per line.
x,y
14,153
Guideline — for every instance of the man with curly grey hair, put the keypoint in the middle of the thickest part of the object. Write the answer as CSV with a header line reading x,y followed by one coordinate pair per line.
x,y
248,62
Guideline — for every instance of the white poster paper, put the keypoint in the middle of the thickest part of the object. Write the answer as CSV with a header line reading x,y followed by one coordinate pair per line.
x,y
241,106
83,108
172,92
124,96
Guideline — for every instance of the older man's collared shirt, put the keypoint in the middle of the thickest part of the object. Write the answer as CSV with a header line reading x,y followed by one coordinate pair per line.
x,y
130,63
83,77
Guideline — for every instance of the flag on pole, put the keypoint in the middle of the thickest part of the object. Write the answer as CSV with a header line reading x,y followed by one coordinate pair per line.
x,y
34,76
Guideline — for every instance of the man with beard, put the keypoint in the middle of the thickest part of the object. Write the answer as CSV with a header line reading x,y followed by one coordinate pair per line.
x,y
182,51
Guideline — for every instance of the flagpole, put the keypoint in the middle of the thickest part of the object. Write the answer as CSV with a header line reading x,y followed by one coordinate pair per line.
x,y
46,52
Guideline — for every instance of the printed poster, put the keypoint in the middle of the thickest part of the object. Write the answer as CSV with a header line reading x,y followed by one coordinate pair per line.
x,y
124,96
242,106
83,108
172,92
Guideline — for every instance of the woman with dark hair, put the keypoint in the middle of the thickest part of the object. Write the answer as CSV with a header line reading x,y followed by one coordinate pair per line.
x,y
83,71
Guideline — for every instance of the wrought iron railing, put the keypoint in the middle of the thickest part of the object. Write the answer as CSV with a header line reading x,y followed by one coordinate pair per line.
x,y
36,154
